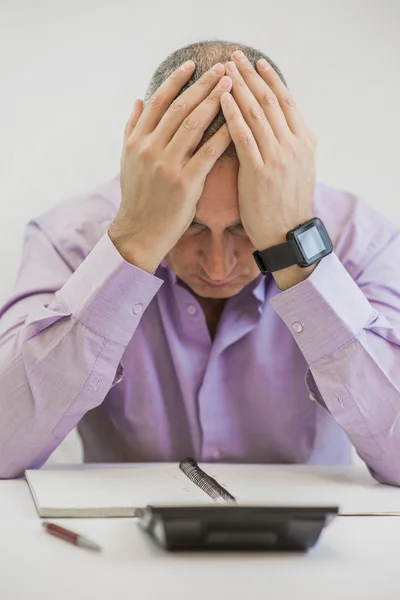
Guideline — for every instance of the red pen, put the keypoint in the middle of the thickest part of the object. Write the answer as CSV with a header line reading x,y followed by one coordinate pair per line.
x,y
70,536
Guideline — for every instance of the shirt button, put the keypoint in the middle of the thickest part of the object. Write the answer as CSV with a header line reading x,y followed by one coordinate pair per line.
x,y
297,327
216,455
137,308
192,310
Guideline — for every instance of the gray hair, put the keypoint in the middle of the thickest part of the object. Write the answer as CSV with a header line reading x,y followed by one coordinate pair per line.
x,y
205,54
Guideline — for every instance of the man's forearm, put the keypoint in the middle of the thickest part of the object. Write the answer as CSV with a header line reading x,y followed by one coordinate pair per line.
x,y
60,359
351,350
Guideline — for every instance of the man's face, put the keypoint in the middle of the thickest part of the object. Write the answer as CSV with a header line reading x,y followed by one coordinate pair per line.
x,y
214,258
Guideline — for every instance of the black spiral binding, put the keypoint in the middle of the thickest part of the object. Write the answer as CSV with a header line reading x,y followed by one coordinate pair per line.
x,y
208,484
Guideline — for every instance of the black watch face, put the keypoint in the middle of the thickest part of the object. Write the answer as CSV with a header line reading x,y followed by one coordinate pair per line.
x,y
313,241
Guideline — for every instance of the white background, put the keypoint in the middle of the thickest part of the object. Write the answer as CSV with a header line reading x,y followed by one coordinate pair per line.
x,y
70,72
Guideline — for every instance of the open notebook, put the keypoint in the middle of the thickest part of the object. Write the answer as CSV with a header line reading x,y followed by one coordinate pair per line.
x,y
116,490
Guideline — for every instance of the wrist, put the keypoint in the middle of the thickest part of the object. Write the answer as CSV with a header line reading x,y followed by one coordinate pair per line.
x,y
291,276
135,250
277,233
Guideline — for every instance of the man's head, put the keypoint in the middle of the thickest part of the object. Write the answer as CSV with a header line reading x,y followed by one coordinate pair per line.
x,y
214,256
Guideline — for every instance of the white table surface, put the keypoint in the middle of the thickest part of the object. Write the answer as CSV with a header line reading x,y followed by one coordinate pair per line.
x,y
355,558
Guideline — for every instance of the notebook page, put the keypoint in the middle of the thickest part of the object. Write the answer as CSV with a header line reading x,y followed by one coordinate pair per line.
x,y
351,488
84,491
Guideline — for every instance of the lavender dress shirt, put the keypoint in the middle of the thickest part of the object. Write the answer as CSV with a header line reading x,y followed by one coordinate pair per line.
x,y
89,340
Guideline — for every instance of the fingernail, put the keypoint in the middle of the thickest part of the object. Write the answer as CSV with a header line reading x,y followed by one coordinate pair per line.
x,y
224,82
238,55
263,64
187,66
218,69
231,66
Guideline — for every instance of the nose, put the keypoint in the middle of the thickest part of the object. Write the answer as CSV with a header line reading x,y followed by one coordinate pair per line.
x,y
218,259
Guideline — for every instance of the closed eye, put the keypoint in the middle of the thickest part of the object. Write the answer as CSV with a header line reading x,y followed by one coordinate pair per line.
x,y
239,227
194,224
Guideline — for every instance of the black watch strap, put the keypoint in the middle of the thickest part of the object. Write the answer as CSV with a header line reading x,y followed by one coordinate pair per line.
x,y
277,257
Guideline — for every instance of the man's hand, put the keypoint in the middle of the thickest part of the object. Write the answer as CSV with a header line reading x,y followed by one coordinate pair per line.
x,y
276,151
161,178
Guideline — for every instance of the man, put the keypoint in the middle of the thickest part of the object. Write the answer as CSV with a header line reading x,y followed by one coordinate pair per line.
x,y
140,313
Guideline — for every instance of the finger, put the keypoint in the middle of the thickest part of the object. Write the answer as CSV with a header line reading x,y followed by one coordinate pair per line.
x,y
182,106
205,158
191,131
133,119
263,94
269,127
242,136
162,98
285,98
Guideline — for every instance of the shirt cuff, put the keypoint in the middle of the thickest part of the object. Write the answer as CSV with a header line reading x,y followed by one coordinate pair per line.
x,y
107,294
325,311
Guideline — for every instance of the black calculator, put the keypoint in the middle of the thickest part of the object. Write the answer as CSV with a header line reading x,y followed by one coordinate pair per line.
x,y
232,527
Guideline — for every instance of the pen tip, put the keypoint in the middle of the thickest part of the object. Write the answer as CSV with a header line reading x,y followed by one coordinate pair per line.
x,y
85,543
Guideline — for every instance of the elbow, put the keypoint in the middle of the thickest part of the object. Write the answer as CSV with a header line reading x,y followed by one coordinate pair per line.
x,y
10,472
10,469
385,475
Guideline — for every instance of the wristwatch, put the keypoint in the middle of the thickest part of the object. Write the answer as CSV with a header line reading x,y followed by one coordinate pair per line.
x,y
304,246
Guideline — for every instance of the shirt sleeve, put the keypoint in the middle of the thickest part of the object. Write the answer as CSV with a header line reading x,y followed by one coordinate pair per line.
x,y
349,332
62,336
